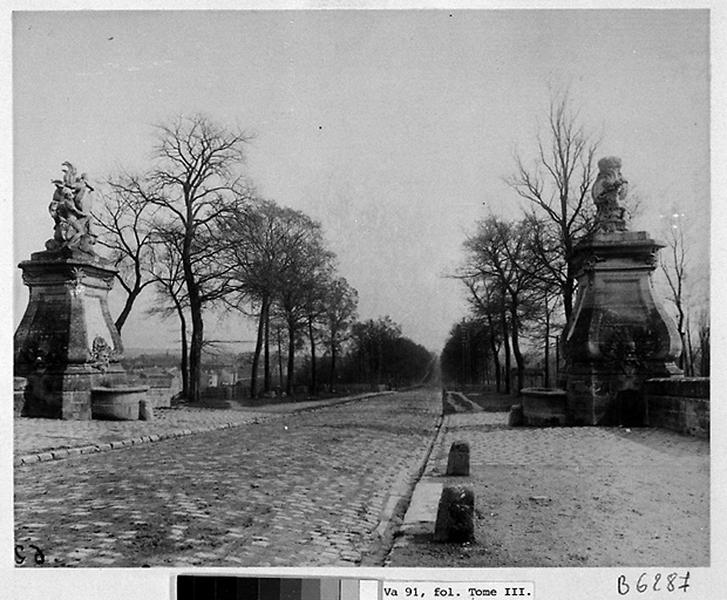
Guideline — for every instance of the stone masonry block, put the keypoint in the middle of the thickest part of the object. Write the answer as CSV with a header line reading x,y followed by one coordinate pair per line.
x,y
689,387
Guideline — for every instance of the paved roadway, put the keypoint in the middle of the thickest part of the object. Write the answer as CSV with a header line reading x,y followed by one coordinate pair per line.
x,y
304,489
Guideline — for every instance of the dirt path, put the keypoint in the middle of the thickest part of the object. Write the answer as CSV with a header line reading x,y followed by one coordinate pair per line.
x,y
573,497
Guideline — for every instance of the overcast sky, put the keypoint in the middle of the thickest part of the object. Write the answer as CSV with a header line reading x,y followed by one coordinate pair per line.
x,y
390,128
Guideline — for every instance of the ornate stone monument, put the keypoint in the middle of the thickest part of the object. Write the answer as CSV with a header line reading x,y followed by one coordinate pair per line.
x,y
619,334
66,343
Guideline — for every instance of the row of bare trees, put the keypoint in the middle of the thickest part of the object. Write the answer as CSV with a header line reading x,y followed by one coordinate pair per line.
x,y
196,230
511,290
684,283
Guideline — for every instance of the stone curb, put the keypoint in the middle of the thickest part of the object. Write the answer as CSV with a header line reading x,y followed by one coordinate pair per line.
x,y
402,533
397,504
61,453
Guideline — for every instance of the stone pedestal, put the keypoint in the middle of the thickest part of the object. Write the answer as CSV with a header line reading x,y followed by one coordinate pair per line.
x,y
619,334
66,342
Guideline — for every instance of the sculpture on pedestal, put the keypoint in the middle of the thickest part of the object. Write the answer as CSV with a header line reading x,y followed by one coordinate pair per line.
x,y
619,334
66,344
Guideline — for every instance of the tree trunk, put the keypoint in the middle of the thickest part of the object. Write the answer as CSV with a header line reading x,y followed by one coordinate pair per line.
x,y
195,347
185,350
126,310
506,342
681,363
280,358
704,350
313,382
546,373
379,362
516,349
195,353
570,279
690,350
195,309
291,360
266,366
495,352
333,364
258,348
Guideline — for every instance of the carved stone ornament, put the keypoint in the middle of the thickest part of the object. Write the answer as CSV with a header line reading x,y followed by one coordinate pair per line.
x,y
78,276
590,263
653,258
100,354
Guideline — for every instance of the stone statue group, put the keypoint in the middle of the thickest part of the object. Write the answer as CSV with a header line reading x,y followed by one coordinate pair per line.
x,y
71,217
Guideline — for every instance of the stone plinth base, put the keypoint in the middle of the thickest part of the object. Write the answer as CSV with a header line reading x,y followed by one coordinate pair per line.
x,y
66,393
66,342
619,334
594,397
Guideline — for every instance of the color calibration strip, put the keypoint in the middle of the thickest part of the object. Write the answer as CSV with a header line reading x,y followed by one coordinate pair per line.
x,y
213,587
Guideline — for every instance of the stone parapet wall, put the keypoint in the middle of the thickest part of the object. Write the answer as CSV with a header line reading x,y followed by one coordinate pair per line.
x,y
543,406
160,397
679,403
162,387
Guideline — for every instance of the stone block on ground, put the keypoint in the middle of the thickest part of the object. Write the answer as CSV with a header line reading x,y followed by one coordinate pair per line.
x,y
447,407
516,417
146,410
458,462
19,384
455,515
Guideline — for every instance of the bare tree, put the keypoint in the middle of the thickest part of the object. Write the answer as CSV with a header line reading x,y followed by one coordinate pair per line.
x,y
316,292
339,315
704,343
171,291
558,184
673,265
125,223
543,322
254,239
277,260
304,263
194,183
373,340
500,253
486,303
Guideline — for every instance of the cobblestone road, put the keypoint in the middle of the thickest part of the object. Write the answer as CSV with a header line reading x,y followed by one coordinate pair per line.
x,y
34,436
304,489
44,435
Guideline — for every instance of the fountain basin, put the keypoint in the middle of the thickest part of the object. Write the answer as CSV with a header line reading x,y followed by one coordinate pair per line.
x,y
117,403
